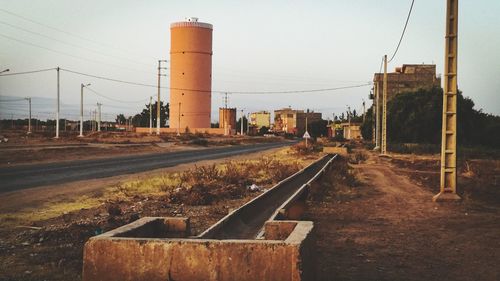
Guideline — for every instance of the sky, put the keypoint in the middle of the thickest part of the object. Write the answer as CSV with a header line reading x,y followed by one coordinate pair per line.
x,y
257,46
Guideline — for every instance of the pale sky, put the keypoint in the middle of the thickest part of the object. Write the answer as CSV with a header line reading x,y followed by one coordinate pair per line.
x,y
258,46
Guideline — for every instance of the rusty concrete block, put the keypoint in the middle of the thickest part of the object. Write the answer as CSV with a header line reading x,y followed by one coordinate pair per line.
x,y
335,150
122,255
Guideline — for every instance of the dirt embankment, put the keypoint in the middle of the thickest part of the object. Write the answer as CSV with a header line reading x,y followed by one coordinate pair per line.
x,y
384,226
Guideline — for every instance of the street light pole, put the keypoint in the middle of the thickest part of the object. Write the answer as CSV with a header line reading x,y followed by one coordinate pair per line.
x,y
81,108
57,112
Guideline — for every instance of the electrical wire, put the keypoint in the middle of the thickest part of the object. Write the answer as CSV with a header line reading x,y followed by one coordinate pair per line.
x,y
28,72
112,99
404,30
68,54
381,64
300,91
109,79
16,100
63,31
70,44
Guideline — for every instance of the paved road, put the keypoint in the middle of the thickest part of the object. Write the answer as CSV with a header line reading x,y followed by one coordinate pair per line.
x,y
27,176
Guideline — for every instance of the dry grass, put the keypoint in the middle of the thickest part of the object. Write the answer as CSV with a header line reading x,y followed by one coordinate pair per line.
x,y
212,182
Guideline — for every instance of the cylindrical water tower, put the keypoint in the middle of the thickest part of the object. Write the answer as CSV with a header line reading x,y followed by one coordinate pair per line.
x,y
190,74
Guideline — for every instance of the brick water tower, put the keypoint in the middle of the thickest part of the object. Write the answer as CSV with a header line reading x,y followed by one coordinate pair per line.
x,y
190,74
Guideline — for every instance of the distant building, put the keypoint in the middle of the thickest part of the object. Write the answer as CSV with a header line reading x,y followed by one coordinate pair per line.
x,y
293,121
351,131
408,78
227,120
260,119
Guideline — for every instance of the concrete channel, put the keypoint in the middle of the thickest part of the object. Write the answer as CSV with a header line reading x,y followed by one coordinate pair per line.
x,y
262,240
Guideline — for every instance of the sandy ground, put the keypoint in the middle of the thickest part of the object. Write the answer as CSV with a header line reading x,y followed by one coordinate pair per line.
x,y
386,227
373,221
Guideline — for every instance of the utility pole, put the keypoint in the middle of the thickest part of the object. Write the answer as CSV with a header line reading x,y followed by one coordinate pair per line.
x,y
364,111
99,117
349,122
377,116
307,113
383,149
224,116
57,112
158,107
248,124
242,115
81,108
150,115
179,121
448,183
91,118
29,120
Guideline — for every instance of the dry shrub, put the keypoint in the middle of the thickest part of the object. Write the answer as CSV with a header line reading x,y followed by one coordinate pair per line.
x,y
200,174
203,185
301,149
281,171
358,157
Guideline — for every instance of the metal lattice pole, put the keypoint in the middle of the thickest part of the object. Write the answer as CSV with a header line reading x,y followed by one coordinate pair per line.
x,y
383,148
448,185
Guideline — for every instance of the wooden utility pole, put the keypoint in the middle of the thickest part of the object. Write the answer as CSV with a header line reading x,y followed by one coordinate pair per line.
x,y
383,148
448,186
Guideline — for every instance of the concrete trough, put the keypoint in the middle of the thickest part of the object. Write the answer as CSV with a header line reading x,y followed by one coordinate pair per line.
x,y
261,240
157,248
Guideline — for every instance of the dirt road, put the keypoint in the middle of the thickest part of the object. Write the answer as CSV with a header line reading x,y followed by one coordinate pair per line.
x,y
387,228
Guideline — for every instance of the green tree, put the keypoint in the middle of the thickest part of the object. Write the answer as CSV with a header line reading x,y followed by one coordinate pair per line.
x,y
142,119
318,128
238,124
416,117
120,119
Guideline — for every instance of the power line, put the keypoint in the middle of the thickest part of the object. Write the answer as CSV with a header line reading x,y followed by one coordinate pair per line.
x,y
109,79
404,30
112,99
61,31
28,72
70,44
294,91
216,91
381,64
67,54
